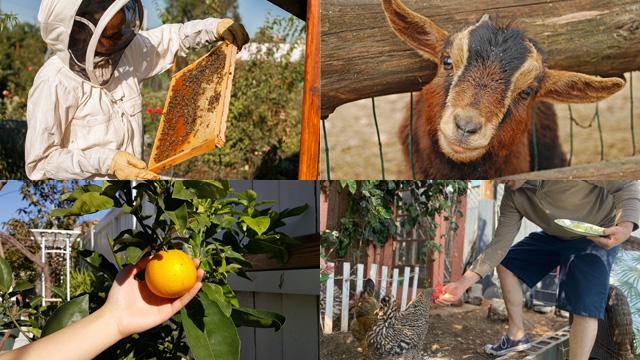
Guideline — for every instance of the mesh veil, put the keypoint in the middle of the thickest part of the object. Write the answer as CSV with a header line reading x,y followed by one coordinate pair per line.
x,y
101,32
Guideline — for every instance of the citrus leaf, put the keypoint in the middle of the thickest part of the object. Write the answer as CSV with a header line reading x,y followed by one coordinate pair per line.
x,y
19,287
67,314
209,189
90,203
98,262
6,276
259,224
216,293
257,318
211,334
58,291
77,193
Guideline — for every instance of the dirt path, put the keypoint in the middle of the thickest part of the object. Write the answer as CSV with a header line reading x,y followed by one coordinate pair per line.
x,y
454,334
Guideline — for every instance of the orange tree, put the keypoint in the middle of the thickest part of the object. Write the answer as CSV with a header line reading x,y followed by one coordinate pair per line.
x,y
205,219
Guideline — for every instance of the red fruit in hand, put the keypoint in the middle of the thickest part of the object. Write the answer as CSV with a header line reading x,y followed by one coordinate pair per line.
x,y
437,292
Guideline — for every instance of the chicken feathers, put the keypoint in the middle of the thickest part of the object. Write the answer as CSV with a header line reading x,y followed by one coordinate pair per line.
x,y
399,334
365,316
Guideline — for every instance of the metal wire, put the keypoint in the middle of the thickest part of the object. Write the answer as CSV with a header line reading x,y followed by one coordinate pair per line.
x,y
533,136
633,136
375,120
413,171
326,149
597,116
571,120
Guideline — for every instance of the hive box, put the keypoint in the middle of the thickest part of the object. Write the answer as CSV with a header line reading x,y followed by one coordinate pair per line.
x,y
195,114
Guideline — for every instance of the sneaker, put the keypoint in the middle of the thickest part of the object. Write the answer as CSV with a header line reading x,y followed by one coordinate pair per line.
x,y
507,345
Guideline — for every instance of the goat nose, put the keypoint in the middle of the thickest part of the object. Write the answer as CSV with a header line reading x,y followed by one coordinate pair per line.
x,y
467,126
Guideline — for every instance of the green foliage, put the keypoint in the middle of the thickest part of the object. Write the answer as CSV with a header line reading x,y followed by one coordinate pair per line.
x,y
207,220
7,20
370,215
625,274
21,59
180,11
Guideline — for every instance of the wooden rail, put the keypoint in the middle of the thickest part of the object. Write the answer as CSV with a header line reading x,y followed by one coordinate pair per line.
x,y
362,57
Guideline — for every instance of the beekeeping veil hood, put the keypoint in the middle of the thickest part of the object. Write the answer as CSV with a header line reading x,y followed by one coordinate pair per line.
x,y
90,36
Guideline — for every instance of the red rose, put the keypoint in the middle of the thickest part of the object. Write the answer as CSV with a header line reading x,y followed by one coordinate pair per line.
x,y
158,111
150,111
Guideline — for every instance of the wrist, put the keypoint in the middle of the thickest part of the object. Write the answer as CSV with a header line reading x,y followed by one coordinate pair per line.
x,y
627,225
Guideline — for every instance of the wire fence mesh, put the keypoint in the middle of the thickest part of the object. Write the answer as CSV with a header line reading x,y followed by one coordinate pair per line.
x,y
358,145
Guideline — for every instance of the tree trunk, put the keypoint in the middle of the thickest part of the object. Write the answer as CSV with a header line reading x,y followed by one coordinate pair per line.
x,y
362,57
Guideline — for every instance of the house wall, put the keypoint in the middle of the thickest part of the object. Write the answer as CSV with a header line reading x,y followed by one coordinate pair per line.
x,y
293,293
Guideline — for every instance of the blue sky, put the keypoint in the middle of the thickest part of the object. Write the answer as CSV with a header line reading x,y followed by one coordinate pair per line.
x,y
11,201
252,12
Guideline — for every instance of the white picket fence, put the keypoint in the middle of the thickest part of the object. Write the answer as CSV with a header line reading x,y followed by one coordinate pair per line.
x,y
381,283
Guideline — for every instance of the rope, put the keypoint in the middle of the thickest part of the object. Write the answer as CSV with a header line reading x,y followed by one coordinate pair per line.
x,y
375,120
326,150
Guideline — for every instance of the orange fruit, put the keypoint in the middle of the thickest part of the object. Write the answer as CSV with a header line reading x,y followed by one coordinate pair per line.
x,y
170,273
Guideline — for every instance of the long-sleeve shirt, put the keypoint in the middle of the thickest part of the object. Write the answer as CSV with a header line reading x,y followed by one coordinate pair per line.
x,y
602,203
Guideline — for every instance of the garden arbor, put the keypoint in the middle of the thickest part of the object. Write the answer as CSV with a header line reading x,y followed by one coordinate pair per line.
x,y
55,242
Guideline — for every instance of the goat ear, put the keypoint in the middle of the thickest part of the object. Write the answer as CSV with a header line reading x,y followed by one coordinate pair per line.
x,y
575,88
416,30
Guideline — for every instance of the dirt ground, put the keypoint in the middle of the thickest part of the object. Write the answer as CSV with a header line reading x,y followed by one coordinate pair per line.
x,y
455,333
353,143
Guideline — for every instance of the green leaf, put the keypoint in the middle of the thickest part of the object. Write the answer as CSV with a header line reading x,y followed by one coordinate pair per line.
x,y
90,203
257,318
59,212
180,192
216,293
261,247
6,276
259,224
177,212
212,189
99,263
19,287
133,254
211,334
299,210
62,294
237,258
67,314
79,192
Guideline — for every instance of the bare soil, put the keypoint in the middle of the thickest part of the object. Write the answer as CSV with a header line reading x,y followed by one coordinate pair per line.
x,y
354,151
455,333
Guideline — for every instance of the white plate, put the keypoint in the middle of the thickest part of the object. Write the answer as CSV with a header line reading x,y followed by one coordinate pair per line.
x,y
580,227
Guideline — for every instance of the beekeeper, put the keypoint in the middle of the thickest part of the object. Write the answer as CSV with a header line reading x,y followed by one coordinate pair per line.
x,y
84,109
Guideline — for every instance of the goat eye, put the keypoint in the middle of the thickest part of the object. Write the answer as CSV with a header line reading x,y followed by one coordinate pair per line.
x,y
526,93
448,63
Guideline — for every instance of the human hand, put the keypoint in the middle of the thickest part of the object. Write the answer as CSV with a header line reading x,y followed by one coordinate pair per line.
x,y
134,308
232,32
125,166
451,293
614,235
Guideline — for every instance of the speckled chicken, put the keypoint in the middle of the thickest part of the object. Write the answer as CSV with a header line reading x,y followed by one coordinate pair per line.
x,y
364,312
398,335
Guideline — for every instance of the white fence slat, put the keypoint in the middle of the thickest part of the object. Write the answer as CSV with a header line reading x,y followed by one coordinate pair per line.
x,y
373,272
394,283
344,316
383,280
414,291
328,313
405,287
360,277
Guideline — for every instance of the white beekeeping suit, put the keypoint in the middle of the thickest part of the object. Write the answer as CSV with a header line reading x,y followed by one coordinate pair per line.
x,y
84,109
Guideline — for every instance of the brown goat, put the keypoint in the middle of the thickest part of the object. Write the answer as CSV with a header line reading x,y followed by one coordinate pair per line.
x,y
473,120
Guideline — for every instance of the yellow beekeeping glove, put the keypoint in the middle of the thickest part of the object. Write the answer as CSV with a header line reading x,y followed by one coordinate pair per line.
x,y
232,32
125,166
